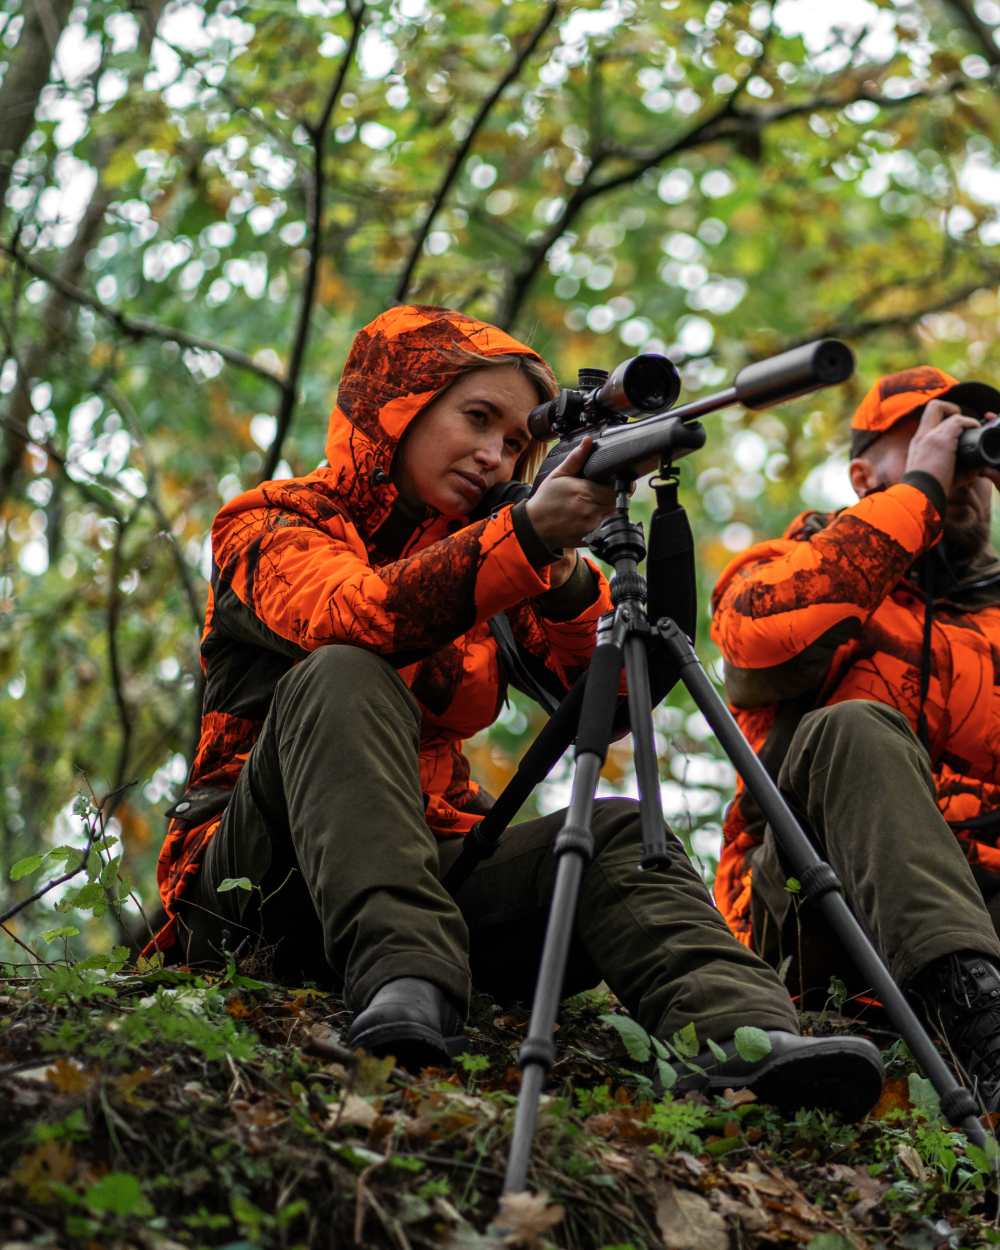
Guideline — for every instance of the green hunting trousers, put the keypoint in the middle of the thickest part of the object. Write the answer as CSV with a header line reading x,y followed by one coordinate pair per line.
x,y
862,783
327,822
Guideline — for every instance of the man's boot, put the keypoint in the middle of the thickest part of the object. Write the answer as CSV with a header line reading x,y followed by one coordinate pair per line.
x,y
960,996
842,1074
411,1019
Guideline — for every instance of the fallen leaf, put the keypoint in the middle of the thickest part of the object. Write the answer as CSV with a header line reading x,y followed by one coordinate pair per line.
x,y
524,1217
615,1161
895,1096
693,1164
351,1112
372,1074
34,1172
126,1085
70,1077
687,1220
753,1177
749,1216
238,1007
737,1097
913,1163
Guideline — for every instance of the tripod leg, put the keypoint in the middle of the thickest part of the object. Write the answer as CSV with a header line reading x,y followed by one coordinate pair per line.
x,y
539,758
820,883
574,848
654,841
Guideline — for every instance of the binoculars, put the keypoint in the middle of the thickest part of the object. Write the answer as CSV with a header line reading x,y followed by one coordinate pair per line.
x,y
980,448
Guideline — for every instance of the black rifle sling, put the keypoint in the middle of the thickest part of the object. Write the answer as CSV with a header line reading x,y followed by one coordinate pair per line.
x,y
518,666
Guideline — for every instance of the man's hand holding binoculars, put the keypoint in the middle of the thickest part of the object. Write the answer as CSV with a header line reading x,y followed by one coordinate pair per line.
x,y
934,446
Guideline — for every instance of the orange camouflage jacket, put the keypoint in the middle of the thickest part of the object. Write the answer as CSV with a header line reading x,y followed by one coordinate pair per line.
x,y
337,557
834,610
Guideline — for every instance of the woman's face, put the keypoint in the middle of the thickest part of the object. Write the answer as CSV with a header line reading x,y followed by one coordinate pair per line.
x,y
469,439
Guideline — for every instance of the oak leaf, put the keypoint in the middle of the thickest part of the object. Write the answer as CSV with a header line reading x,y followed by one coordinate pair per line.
x,y
687,1220
524,1218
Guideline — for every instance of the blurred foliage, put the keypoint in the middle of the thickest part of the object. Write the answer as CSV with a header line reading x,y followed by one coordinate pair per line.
x,y
215,196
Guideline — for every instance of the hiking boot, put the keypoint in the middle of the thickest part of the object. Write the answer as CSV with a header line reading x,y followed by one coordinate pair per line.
x,y
960,995
842,1074
411,1019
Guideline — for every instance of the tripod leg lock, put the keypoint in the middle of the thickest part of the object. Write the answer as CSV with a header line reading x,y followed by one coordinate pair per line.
x,y
540,1051
957,1105
628,586
818,880
576,839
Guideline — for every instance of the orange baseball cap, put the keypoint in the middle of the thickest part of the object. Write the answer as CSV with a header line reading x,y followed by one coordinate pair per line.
x,y
900,395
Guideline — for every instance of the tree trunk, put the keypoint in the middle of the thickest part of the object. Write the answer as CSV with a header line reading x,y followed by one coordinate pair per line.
x,y
28,73
58,313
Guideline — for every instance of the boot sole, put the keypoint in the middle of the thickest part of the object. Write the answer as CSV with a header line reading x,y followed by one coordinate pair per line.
x,y
840,1078
414,1046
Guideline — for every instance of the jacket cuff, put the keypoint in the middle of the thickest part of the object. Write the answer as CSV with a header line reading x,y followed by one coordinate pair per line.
x,y
566,602
928,485
539,553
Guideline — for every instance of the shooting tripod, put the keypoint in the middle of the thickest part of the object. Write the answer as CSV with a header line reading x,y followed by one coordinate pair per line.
x,y
645,638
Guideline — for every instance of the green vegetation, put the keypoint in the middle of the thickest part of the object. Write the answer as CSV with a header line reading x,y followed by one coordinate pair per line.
x,y
163,1109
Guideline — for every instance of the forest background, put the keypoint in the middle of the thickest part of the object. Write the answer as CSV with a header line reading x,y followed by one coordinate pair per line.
x,y
201,203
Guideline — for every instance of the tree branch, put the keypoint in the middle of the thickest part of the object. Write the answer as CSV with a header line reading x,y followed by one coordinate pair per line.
x,y
458,159
140,327
124,406
235,103
99,500
726,123
984,34
315,188
92,831
113,621
845,329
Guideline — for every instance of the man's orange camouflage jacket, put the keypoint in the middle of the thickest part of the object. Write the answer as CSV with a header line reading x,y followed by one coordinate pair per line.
x,y
834,610
336,557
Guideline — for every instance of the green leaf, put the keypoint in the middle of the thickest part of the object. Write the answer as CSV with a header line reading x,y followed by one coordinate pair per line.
x,y
64,854
25,867
66,931
793,885
685,1041
634,1037
89,897
752,1044
717,1051
828,1241
234,883
118,1193
983,1160
667,1073
924,1096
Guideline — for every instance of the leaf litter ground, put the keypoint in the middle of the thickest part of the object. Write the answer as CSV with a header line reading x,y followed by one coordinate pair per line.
x,y
165,1110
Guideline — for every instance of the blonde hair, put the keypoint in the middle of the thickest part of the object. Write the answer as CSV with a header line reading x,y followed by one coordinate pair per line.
x,y
539,374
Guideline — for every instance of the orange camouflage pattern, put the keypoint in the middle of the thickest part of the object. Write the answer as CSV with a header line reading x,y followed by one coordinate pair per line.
x,y
827,613
297,564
